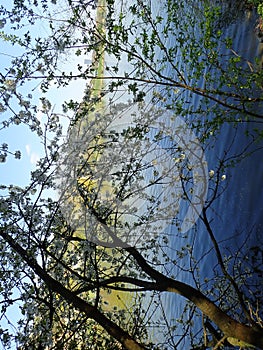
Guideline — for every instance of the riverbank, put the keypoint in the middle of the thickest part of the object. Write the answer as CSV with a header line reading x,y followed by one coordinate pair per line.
x,y
92,104
98,56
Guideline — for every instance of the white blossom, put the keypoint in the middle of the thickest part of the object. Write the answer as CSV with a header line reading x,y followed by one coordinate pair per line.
x,y
211,173
10,85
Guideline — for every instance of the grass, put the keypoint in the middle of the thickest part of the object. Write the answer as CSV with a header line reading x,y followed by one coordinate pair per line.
x,y
98,58
116,299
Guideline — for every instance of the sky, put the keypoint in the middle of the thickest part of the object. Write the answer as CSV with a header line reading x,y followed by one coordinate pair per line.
x,y
20,137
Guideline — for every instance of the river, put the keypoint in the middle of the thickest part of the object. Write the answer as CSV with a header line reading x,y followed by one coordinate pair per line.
x,y
237,215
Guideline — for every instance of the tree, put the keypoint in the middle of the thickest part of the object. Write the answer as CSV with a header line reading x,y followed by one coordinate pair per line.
x,y
135,35
71,265
123,176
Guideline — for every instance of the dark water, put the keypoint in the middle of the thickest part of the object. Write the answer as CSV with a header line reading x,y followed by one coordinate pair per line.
x,y
237,215
239,209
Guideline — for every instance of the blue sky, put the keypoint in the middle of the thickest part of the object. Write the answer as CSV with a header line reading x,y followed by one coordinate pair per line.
x,y
20,137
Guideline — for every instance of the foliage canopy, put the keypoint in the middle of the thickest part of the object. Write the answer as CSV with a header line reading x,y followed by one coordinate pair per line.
x,y
108,223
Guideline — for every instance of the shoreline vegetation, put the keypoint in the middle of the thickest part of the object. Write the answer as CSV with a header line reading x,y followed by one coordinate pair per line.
x,y
98,58
125,234
85,114
110,299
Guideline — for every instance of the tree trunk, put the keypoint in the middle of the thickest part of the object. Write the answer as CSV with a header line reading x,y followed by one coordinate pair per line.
x,y
230,327
112,328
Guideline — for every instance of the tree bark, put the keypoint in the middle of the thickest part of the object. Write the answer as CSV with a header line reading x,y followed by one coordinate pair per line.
x,y
112,328
236,332
230,327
